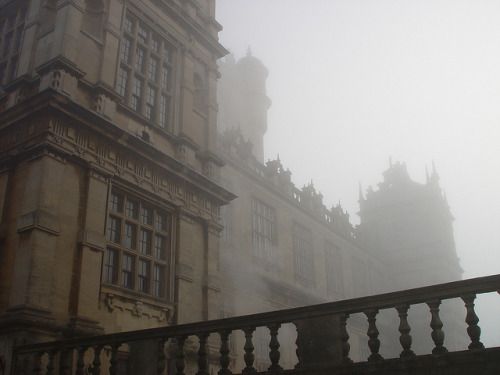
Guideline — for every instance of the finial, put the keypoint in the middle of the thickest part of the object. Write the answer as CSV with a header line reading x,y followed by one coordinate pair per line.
x,y
278,158
249,51
361,197
426,174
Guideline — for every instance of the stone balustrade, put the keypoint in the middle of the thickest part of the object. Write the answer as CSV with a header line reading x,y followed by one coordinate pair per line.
x,y
322,343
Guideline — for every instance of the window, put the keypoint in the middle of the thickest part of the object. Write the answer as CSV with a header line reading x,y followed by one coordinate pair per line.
x,y
200,99
125,51
303,255
153,63
263,230
121,83
11,34
150,102
334,271
111,266
163,111
138,254
136,94
146,59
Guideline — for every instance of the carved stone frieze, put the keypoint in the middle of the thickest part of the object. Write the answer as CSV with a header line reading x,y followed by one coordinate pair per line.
x,y
127,166
139,309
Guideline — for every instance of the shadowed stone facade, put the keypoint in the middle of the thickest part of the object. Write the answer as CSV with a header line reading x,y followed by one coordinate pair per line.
x,y
109,193
112,178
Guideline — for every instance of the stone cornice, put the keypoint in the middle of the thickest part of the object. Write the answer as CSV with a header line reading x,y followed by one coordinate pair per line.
x,y
191,25
66,128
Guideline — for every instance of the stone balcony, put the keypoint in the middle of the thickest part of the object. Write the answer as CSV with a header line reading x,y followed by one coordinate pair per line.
x,y
322,344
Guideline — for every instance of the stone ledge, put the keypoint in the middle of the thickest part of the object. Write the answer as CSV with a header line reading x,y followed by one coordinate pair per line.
x,y
39,219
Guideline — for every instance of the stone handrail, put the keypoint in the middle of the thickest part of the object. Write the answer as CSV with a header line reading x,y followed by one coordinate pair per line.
x,y
58,354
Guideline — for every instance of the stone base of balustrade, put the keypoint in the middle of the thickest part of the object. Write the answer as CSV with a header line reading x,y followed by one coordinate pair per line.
x,y
480,362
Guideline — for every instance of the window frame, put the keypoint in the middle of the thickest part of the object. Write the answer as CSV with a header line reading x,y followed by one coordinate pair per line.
x,y
303,255
264,230
155,69
116,275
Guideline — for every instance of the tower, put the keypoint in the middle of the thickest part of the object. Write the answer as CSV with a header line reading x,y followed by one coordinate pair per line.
x,y
242,90
410,227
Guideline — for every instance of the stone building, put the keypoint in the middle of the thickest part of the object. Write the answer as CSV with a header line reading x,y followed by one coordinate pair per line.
x,y
109,200
112,178
281,247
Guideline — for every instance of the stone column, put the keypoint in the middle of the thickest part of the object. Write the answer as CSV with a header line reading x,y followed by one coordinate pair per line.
x,y
92,244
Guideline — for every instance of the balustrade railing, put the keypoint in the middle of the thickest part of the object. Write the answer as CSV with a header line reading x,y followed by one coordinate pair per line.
x,y
103,354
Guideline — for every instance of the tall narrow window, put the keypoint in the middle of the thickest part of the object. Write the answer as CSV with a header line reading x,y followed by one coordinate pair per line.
x,y
136,95
121,83
303,255
150,102
111,266
143,276
263,230
12,22
128,271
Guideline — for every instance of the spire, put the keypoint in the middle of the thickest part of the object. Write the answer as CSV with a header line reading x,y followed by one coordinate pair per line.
x,y
361,197
426,174
249,51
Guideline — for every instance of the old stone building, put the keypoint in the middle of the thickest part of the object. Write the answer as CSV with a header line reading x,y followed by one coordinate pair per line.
x,y
109,200
281,247
113,175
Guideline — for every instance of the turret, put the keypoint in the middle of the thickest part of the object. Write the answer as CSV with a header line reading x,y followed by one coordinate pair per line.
x,y
243,101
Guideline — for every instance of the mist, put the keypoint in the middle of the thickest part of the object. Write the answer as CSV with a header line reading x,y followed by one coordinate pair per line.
x,y
354,83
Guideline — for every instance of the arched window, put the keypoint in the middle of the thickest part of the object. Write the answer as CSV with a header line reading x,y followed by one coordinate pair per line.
x,y
93,18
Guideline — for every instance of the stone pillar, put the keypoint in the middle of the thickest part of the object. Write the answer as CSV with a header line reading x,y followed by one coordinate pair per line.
x,y
212,282
187,273
92,244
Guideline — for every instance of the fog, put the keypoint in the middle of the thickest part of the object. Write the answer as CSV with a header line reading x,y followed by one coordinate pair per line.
x,y
356,82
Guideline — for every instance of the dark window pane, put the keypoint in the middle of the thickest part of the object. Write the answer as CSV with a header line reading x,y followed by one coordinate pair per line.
x,y
128,271
159,281
143,276
130,237
145,242
111,266
114,226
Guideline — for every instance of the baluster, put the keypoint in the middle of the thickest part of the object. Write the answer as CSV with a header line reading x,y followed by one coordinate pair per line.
x,y
179,361
274,345
473,330
66,357
373,342
162,362
249,356
436,325
37,363
96,364
80,362
298,347
404,329
224,353
113,361
51,363
202,355
344,338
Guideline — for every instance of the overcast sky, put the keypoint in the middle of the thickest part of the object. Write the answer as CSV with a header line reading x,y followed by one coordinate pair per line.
x,y
354,82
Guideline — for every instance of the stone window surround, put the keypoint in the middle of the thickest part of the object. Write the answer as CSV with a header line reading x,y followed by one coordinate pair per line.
x,y
264,233
158,49
152,285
